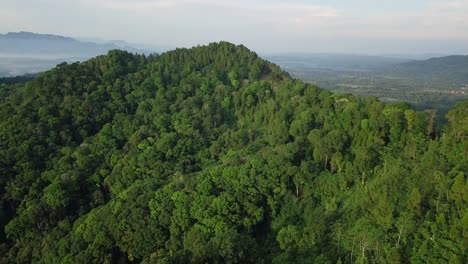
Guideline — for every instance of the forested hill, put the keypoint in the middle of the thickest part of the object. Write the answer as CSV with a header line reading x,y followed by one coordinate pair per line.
x,y
213,155
450,68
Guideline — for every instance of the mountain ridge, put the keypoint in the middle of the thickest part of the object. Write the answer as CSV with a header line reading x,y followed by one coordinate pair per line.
x,y
27,52
453,68
37,43
31,35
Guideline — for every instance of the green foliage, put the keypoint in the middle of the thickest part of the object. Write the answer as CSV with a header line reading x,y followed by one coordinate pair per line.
x,y
213,155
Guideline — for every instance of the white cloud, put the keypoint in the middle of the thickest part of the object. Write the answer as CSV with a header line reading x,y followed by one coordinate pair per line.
x,y
437,20
263,7
450,6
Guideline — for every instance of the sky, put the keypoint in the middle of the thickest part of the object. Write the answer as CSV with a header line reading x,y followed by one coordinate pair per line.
x,y
266,26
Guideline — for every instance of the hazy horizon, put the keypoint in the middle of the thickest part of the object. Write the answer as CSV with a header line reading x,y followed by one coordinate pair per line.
x,y
348,27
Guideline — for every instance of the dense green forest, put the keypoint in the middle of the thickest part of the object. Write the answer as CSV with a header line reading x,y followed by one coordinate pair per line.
x,y
213,155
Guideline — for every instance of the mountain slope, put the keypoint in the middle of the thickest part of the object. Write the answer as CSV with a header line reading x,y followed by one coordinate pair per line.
x,y
212,154
437,83
450,68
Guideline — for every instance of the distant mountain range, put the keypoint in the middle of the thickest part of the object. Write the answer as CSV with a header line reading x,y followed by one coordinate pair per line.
x,y
450,68
47,45
27,52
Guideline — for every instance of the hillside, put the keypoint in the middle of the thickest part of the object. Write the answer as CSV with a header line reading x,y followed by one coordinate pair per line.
x,y
450,68
437,83
213,155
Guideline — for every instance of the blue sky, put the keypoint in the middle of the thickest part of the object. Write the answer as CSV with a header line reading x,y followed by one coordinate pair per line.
x,y
344,26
